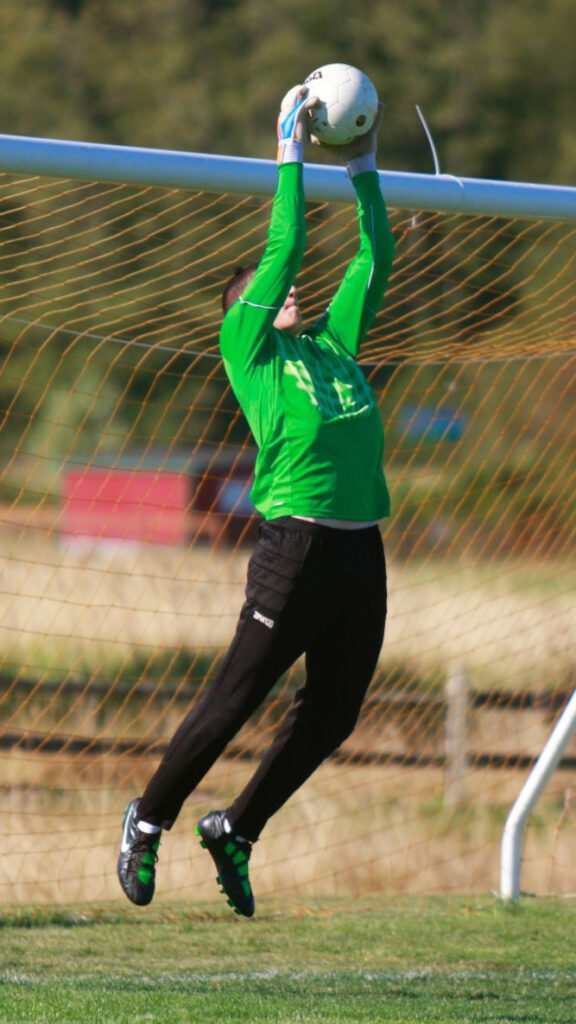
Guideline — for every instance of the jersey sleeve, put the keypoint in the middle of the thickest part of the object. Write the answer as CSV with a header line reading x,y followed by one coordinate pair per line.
x,y
249,320
357,301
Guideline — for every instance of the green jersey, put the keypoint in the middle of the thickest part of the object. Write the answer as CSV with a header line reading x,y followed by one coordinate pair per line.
x,y
311,411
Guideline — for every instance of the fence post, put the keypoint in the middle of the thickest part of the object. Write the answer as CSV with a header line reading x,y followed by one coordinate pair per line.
x,y
456,736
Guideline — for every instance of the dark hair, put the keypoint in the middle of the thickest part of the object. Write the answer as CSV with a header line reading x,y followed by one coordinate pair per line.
x,y
236,285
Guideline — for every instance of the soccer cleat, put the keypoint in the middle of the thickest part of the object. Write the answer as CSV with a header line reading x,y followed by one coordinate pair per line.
x,y
137,859
230,854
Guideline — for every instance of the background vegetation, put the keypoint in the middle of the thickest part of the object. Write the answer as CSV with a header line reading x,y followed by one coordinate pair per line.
x,y
494,77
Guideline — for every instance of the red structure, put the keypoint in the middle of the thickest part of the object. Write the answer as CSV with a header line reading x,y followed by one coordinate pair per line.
x,y
126,505
148,501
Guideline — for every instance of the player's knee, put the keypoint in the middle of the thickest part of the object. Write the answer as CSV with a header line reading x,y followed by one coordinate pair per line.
x,y
338,727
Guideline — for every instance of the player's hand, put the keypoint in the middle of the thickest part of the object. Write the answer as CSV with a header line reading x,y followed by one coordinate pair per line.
x,y
363,145
293,123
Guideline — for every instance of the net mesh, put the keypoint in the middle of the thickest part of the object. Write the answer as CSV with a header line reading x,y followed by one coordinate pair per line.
x,y
126,527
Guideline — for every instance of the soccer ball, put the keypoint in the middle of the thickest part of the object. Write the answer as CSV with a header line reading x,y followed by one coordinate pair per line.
x,y
348,103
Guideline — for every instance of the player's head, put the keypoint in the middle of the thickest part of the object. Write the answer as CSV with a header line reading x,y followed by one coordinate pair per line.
x,y
289,317
236,284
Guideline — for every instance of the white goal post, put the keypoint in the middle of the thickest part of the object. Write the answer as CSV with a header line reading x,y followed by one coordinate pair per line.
x,y
514,829
173,169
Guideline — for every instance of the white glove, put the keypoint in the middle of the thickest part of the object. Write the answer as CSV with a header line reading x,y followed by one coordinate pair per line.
x,y
360,154
293,124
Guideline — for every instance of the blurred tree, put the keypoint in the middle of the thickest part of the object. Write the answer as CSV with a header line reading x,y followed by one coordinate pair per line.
x,y
495,79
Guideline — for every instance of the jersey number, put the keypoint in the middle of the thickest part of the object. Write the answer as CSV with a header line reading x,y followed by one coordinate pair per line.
x,y
335,386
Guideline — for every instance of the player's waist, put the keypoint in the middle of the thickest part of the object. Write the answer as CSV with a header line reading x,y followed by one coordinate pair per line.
x,y
338,524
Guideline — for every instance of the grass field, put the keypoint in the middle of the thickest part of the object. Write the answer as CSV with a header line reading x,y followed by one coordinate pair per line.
x,y
401,960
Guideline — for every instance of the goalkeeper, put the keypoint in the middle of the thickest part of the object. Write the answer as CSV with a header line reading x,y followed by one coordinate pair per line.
x,y
316,581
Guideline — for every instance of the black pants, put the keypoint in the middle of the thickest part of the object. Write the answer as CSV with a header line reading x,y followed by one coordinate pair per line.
x,y
311,590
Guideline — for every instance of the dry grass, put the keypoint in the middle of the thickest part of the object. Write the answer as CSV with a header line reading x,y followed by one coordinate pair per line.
x,y
349,832
99,604
353,831
510,624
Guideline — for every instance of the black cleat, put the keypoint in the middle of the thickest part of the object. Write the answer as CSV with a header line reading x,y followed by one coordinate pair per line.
x,y
230,854
137,859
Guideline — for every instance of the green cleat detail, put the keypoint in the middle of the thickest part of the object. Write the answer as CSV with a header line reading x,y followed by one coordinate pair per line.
x,y
230,854
137,859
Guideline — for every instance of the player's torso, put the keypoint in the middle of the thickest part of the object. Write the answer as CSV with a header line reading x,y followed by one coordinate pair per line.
x,y
301,386
318,428
318,382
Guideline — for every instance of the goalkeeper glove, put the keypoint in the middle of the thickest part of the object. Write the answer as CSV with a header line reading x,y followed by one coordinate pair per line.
x,y
360,154
292,124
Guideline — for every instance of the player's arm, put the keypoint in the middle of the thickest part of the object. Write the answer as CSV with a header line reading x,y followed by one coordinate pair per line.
x,y
359,297
248,322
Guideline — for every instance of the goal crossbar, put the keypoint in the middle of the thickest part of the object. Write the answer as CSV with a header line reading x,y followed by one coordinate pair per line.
x,y
217,173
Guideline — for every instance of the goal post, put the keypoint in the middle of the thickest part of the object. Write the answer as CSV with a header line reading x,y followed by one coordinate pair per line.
x,y
126,522
511,857
172,169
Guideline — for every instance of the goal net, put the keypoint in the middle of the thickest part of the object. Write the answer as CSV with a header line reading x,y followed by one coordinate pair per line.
x,y
126,525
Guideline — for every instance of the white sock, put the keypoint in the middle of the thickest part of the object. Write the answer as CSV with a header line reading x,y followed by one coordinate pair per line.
x,y
229,830
148,829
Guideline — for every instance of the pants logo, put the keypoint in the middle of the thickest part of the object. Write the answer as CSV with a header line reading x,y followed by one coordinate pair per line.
x,y
264,619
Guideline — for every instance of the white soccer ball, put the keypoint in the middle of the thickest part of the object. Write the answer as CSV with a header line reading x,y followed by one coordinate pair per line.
x,y
348,103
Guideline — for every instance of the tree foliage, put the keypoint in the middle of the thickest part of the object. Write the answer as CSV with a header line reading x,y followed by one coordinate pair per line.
x,y
495,78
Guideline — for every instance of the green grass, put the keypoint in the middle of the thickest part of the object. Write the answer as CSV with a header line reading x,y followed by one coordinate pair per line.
x,y
403,960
